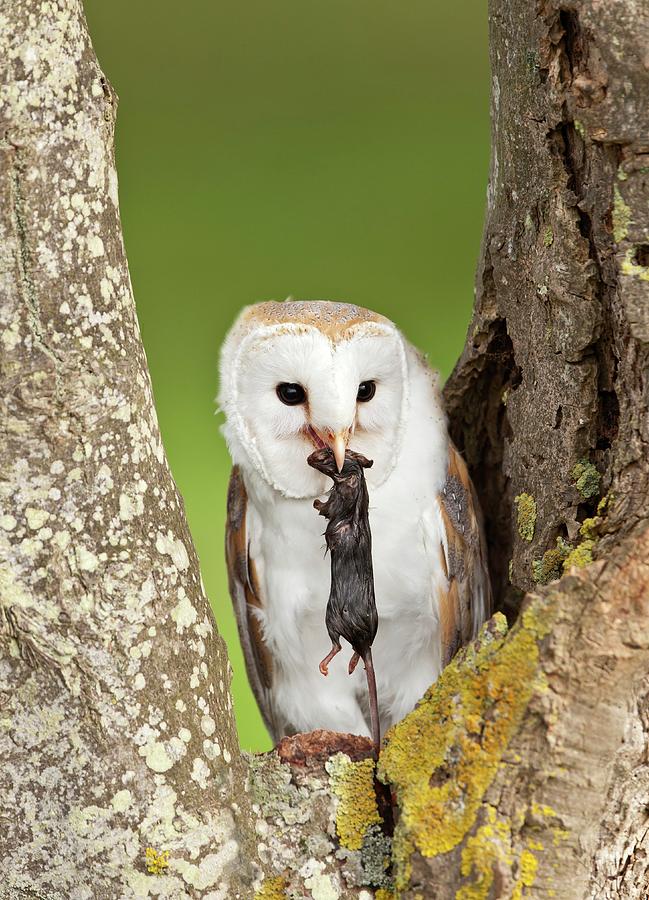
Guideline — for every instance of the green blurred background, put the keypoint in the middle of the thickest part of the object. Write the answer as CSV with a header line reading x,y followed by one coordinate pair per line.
x,y
326,150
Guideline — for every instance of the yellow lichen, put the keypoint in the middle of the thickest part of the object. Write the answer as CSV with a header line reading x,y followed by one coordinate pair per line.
x,y
590,527
272,889
526,515
156,862
489,847
621,216
353,784
587,479
527,867
547,812
604,503
439,767
581,556
542,810
631,267
385,894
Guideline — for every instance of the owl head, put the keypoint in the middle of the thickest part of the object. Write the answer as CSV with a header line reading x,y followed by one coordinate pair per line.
x,y
300,375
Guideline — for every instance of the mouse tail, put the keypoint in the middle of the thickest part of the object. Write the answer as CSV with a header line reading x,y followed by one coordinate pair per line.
x,y
374,702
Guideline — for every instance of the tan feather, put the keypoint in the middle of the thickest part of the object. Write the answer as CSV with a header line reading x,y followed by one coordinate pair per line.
x,y
246,598
467,601
332,318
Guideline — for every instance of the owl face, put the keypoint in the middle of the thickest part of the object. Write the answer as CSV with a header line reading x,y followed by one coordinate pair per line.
x,y
307,381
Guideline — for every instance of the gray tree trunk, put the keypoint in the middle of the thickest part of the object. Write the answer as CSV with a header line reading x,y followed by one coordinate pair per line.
x,y
116,725
523,773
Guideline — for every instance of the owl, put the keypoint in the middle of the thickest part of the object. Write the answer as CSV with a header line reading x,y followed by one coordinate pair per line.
x,y
300,375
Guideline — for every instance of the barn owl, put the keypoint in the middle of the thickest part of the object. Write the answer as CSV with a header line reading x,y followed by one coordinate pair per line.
x,y
299,375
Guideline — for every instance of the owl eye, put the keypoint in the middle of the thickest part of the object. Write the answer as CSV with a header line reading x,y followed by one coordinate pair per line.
x,y
366,390
291,394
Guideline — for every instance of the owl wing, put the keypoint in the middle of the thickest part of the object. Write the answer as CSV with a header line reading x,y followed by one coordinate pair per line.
x,y
465,600
247,600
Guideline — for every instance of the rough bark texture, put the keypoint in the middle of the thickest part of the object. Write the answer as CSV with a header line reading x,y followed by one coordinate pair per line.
x,y
550,404
115,734
555,366
523,772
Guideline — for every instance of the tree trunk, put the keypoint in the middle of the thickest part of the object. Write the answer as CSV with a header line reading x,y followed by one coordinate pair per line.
x,y
116,725
550,403
523,772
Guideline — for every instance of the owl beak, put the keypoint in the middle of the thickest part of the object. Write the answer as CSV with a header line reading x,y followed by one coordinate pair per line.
x,y
339,445
336,440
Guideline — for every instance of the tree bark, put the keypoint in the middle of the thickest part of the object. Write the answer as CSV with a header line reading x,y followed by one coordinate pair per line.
x,y
550,404
116,725
523,772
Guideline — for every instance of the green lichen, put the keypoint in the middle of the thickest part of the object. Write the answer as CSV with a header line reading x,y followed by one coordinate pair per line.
x,y
156,862
526,515
550,566
631,267
353,784
376,857
441,758
548,236
579,128
586,478
590,527
621,216
272,889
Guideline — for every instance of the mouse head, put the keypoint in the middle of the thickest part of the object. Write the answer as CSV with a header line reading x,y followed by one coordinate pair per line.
x,y
323,460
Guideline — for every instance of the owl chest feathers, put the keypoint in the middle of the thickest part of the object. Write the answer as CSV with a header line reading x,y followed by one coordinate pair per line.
x,y
286,540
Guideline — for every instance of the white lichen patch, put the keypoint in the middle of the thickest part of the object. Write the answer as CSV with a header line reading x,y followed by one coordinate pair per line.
x,y
36,518
184,612
320,884
11,336
200,772
121,800
87,560
210,870
157,756
208,725
174,547
211,749
130,506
